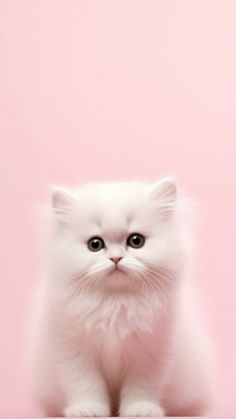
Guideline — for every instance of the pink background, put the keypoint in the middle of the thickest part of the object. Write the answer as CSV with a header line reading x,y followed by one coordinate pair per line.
x,y
116,89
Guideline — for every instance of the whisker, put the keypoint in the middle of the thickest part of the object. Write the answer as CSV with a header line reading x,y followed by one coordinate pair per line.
x,y
158,275
142,281
164,273
156,286
159,290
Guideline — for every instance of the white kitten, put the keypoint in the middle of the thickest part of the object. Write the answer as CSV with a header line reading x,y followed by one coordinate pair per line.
x,y
115,328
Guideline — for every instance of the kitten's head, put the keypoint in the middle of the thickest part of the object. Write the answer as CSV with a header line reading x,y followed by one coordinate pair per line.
x,y
117,237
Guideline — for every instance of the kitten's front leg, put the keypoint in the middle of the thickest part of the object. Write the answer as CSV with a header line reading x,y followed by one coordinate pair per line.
x,y
138,400
86,392
139,394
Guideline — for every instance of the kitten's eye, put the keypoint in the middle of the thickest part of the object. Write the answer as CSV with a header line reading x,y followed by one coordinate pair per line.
x,y
95,244
136,240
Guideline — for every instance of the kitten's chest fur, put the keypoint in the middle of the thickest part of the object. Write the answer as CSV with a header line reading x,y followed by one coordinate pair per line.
x,y
117,330
115,317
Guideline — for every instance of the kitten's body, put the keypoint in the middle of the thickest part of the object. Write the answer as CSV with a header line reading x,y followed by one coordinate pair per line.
x,y
119,342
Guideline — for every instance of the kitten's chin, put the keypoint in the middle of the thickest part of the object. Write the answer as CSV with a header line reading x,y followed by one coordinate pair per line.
x,y
117,280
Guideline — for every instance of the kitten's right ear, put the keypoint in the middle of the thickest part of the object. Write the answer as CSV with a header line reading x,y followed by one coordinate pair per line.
x,y
63,202
164,194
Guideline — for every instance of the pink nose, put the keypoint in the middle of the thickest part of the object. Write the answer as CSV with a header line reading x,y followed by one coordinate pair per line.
x,y
115,259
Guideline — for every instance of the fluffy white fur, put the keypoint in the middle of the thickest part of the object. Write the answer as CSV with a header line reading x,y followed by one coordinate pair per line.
x,y
119,342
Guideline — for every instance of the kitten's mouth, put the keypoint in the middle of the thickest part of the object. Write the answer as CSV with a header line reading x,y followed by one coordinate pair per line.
x,y
118,268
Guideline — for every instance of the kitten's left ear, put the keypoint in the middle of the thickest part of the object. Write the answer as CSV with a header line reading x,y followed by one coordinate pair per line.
x,y
63,202
164,193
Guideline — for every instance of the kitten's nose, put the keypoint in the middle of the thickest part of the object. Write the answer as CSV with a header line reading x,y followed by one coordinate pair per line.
x,y
116,259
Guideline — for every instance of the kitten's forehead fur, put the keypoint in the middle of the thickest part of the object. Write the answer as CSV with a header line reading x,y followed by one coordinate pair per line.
x,y
111,203
111,206
115,198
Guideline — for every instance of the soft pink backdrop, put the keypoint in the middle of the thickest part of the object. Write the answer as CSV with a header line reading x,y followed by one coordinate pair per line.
x,y
116,89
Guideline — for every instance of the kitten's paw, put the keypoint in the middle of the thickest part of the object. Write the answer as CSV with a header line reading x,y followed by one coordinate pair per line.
x,y
141,408
87,408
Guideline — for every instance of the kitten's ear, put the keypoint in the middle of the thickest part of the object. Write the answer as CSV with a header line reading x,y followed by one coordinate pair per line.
x,y
164,193
63,202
